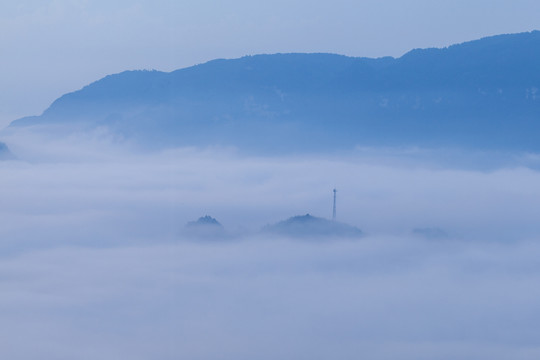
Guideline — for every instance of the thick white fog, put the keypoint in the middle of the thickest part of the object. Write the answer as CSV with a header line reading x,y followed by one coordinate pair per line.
x,y
94,263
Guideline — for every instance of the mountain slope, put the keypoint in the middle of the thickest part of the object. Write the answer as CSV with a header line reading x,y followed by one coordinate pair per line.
x,y
5,153
481,94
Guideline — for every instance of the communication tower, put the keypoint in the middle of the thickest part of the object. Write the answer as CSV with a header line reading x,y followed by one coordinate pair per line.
x,y
334,209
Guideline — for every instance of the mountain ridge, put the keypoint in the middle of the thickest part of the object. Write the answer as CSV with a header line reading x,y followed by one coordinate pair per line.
x,y
482,93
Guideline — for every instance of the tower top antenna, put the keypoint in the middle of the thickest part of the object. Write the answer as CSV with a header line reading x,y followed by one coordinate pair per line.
x,y
334,208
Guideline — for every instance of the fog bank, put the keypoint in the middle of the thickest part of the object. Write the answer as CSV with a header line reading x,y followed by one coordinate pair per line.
x,y
380,298
94,262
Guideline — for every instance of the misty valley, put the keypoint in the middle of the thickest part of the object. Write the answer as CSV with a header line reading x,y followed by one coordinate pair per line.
x,y
282,206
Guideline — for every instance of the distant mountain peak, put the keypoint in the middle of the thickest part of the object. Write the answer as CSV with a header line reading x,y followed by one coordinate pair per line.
x,y
204,221
308,226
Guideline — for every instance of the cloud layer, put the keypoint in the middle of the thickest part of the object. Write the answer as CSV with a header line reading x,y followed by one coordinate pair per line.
x,y
93,263
380,298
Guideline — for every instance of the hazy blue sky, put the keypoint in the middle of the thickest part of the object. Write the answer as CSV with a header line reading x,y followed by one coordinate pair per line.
x,y
50,47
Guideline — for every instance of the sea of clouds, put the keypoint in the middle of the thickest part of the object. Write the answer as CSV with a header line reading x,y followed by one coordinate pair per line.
x,y
94,263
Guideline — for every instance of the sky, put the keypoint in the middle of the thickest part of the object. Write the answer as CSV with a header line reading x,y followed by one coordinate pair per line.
x,y
51,47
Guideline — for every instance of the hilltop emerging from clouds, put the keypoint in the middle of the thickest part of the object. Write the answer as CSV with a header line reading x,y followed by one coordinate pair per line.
x,y
480,94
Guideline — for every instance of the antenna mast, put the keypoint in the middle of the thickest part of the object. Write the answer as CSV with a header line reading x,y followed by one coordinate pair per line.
x,y
334,209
